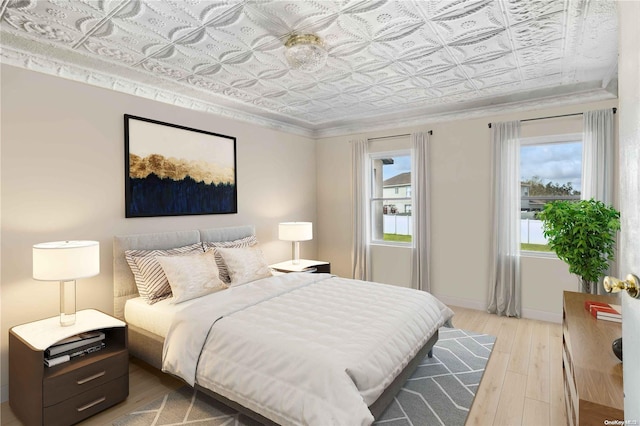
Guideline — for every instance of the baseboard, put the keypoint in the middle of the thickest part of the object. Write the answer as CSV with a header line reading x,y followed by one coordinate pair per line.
x,y
463,303
542,315
480,306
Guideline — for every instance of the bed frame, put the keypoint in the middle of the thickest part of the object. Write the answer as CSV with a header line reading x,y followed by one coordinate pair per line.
x,y
148,346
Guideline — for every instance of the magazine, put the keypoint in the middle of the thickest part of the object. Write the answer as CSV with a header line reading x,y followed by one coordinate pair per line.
x,y
74,342
62,358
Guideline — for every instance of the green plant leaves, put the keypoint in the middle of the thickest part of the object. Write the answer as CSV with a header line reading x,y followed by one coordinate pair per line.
x,y
583,234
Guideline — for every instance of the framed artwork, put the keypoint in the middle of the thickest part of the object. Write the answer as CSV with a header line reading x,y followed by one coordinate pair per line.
x,y
172,170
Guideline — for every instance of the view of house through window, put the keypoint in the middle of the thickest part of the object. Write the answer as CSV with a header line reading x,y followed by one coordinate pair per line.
x,y
549,171
391,197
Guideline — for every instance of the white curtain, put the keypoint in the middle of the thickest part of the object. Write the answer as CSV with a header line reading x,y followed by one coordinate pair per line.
x,y
597,162
504,279
597,155
421,200
359,177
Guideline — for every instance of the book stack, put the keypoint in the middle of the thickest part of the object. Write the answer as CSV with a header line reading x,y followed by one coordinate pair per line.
x,y
74,346
604,311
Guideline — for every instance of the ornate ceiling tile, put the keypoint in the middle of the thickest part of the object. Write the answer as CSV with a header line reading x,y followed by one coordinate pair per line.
x,y
387,58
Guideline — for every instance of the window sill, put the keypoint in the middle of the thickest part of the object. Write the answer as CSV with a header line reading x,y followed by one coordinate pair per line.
x,y
391,244
540,254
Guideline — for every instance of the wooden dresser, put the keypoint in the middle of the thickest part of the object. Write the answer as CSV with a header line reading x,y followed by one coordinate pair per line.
x,y
592,373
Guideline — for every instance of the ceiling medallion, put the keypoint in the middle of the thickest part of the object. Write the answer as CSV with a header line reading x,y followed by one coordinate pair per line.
x,y
305,52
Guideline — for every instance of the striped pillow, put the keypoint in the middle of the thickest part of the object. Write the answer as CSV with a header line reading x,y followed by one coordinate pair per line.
x,y
222,266
150,279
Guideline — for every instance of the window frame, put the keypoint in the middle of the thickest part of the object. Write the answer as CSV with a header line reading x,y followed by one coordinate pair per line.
x,y
548,140
408,152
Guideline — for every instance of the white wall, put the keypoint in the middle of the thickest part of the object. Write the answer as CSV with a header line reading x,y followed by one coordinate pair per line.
x,y
62,177
461,173
384,255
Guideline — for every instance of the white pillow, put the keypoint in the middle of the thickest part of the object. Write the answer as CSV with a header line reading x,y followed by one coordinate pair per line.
x,y
150,279
191,276
242,242
244,264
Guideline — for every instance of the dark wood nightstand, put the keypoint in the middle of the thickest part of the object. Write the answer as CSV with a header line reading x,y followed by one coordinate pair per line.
x,y
305,265
72,391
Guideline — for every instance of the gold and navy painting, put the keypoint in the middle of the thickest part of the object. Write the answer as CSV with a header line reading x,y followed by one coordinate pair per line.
x,y
172,170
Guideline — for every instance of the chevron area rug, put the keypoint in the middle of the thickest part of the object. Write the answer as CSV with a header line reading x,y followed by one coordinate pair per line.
x,y
440,392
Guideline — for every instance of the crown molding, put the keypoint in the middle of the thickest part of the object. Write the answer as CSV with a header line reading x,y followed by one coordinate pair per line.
x,y
579,94
491,108
89,75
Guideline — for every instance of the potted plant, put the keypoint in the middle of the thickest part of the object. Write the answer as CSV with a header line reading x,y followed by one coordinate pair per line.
x,y
582,233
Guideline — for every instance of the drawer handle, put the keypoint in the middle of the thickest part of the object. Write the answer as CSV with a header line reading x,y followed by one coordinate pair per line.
x,y
90,378
91,404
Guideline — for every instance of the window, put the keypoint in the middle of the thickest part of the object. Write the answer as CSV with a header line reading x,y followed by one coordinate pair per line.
x,y
550,169
391,219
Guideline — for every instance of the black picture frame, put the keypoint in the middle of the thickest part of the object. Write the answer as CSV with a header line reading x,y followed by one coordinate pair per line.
x,y
173,170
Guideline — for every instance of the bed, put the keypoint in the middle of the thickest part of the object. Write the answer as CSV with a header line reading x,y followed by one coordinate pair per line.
x,y
203,341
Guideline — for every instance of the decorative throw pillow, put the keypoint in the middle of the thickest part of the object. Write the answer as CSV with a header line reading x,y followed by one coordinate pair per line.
x,y
150,278
249,241
244,264
191,276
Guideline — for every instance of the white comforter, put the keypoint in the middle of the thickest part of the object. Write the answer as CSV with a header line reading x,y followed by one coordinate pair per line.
x,y
309,349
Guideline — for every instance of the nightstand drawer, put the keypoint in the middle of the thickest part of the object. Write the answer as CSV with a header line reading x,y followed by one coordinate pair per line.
x,y
69,382
88,403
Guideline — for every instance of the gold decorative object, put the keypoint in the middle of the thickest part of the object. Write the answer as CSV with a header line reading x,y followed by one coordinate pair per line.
x,y
631,284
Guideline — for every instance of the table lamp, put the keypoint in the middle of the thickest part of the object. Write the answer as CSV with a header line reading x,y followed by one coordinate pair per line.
x,y
66,261
295,232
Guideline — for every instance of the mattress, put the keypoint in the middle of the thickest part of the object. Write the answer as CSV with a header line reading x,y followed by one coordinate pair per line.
x,y
156,318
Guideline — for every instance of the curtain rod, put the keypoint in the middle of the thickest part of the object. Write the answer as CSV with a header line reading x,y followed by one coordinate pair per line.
x,y
395,136
555,116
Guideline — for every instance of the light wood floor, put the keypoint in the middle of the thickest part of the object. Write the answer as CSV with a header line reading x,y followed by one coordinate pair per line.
x,y
522,384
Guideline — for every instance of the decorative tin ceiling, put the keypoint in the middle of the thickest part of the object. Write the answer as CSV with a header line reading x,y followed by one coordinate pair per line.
x,y
390,61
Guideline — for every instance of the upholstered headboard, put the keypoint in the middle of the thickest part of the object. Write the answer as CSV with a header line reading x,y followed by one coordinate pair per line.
x,y
124,285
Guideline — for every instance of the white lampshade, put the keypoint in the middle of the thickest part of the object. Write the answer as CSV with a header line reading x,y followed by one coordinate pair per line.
x,y
66,260
295,231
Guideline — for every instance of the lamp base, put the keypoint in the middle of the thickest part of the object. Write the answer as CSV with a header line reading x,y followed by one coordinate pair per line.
x,y
67,319
67,303
296,253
